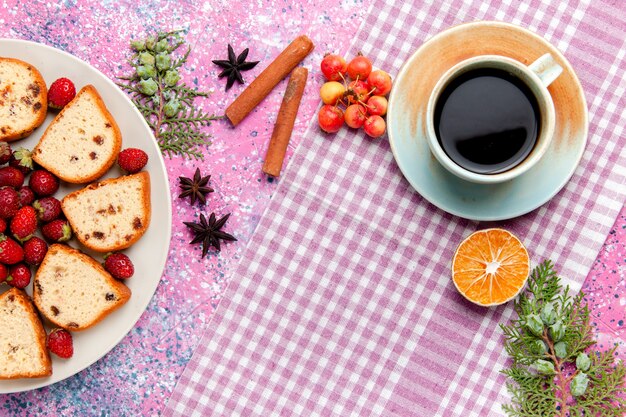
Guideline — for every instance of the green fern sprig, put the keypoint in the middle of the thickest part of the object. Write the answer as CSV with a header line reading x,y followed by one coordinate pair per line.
x,y
551,374
165,102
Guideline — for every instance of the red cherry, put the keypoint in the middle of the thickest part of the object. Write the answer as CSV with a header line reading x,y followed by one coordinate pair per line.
x,y
330,118
375,126
377,105
355,115
333,67
380,82
360,67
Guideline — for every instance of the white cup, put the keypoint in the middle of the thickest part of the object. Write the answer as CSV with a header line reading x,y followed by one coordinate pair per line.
x,y
536,76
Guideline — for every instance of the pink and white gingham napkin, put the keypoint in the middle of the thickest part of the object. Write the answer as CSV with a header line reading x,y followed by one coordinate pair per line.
x,y
342,304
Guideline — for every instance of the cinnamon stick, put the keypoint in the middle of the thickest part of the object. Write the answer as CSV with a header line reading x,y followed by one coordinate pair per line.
x,y
284,122
258,89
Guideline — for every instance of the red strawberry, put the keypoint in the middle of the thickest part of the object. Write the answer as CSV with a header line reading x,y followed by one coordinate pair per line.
x,y
58,230
43,182
24,223
22,160
119,265
26,196
5,153
10,251
9,202
11,177
4,273
48,208
59,342
19,275
61,92
3,225
132,160
35,250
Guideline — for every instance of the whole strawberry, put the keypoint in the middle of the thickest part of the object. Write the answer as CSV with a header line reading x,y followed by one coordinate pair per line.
x,y
9,202
10,251
132,160
25,195
35,250
24,223
61,92
58,230
22,160
5,153
48,208
119,265
19,275
60,342
4,273
43,182
11,177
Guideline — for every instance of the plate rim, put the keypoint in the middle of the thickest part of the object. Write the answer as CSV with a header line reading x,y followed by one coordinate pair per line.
x,y
458,211
138,310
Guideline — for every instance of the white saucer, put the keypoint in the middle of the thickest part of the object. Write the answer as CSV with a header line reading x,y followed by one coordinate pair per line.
x,y
406,127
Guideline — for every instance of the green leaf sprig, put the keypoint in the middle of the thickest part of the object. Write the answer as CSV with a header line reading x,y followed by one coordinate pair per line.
x,y
552,372
165,101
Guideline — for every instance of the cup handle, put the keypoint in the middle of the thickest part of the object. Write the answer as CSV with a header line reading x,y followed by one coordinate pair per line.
x,y
546,68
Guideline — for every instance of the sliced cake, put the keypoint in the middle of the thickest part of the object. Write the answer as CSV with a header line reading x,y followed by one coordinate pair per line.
x,y
83,140
73,291
23,352
112,214
23,99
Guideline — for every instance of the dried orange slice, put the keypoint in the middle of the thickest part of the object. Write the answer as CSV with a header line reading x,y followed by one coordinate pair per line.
x,y
490,267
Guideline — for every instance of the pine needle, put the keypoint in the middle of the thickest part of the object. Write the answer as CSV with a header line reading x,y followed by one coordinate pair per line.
x,y
165,102
554,370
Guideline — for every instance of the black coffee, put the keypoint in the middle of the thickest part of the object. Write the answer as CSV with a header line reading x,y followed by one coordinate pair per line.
x,y
487,120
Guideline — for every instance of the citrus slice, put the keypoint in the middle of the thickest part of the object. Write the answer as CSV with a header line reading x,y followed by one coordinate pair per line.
x,y
490,267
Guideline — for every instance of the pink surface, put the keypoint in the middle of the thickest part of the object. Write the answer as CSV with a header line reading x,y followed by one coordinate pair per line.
x,y
137,377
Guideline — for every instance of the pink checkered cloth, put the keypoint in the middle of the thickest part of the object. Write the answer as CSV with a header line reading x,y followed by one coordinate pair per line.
x,y
342,304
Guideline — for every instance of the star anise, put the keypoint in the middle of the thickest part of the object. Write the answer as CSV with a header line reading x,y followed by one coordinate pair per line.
x,y
195,188
234,66
209,233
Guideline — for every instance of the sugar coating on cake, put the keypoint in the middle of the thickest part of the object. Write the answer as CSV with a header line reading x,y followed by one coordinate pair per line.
x,y
112,214
23,352
83,140
23,99
73,291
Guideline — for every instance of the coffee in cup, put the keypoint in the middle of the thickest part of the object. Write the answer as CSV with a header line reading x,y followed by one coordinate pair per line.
x,y
490,118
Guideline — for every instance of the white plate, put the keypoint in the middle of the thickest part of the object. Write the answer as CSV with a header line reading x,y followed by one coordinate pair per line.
x,y
406,127
148,254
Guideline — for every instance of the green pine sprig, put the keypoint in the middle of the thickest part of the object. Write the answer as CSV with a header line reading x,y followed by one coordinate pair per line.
x,y
163,99
551,372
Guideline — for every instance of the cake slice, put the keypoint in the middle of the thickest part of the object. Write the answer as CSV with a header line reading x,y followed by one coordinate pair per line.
x,y
23,99
83,140
112,214
72,290
23,352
